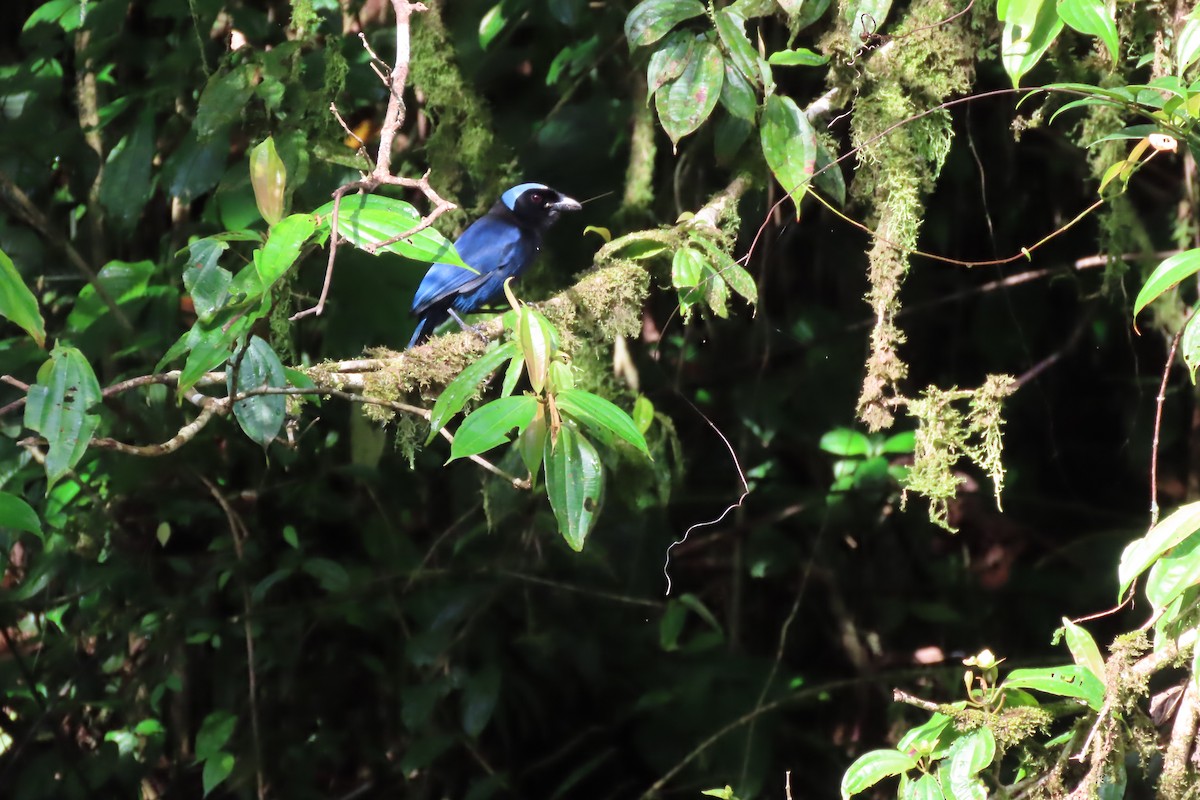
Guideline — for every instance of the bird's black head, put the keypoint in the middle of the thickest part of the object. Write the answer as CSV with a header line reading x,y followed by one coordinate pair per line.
x,y
536,204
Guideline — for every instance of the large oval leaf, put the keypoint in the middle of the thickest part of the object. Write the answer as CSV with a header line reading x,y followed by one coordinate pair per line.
x,y
463,388
1166,275
574,484
1029,30
492,424
261,417
686,102
789,144
595,412
651,20
1068,681
870,768
668,61
57,405
368,219
18,304
1141,553
1094,18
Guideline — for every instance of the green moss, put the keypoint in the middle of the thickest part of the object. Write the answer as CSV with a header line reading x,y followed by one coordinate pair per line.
x,y
461,149
609,300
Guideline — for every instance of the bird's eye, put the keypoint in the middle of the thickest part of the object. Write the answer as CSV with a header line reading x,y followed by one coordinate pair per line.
x,y
536,198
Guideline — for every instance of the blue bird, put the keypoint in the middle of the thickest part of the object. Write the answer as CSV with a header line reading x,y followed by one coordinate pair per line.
x,y
500,245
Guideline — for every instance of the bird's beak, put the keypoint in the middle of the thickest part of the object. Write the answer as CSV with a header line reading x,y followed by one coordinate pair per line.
x,y
566,204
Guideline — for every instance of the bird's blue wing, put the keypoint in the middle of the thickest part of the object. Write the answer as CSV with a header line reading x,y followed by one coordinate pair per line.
x,y
488,245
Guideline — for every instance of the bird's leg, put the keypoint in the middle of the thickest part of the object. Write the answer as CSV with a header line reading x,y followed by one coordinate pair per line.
x,y
477,329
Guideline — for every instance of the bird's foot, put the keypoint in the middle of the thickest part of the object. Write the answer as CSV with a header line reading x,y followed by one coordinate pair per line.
x,y
476,329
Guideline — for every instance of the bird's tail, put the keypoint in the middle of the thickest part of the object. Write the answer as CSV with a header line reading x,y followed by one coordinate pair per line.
x,y
425,326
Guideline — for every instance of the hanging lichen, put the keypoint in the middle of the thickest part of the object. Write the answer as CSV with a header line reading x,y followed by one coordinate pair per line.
x,y
946,434
900,155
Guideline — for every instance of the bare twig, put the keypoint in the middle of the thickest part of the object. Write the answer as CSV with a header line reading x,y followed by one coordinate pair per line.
x,y
1158,409
381,174
900,696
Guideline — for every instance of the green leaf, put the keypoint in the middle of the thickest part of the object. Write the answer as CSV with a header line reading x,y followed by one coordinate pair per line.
x,y
969,754
1068,681
480,693
196,167
870,768
539,344
668,60
1174,573
125,184
1187,43
1094,18
214,733
1083,649
1031,28
638,247
716,293
845,442
123,281
729,133
491,425
367,219
931,738
531,444
268,176
687,267
18,304
283,248
331,575
1166,276
16,514
671,625
799,57
66,14
738,94
512,374
261,417
687,101
207,282
1141,553
209,346
789,144
463,388
574,484
828,177
730,271
651,20
223,100
491,25
1020,12
925,787
57,408
595,412
216,770
731,27
901,443
643,413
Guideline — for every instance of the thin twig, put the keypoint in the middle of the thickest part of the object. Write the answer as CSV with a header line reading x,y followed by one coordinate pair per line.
x,y
1158,409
